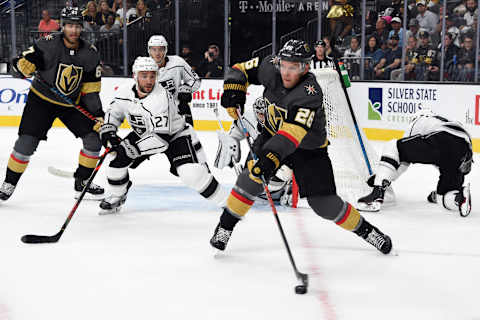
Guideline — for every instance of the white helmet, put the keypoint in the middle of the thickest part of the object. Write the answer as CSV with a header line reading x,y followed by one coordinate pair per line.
x,y
143,64
158,41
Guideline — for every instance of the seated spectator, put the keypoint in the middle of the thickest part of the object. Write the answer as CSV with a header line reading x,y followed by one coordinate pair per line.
x,y
413,28
426,19
320,59
47,24
330,49
353,65
90,17
129,12
381,32
466,59
373,55
397,29
449,61
392,59
142,9
110,26
340,13
411,48
425,61
187,55
472,11
212,65
104,11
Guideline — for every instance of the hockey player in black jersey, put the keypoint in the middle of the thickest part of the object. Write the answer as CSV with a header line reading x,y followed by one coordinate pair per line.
x,y
294,134
71,66
430,139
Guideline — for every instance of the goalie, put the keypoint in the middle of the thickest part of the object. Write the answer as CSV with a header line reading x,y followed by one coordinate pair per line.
x,y
229,153
431,139
158,127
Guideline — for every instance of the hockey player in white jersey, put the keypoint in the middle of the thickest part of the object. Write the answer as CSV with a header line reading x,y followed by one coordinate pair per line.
x,y
430,139
157,128
229,152
174,74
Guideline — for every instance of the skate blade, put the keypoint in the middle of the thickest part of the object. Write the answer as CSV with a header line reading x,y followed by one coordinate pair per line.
x,y
218,254
371,207
89,196
105,212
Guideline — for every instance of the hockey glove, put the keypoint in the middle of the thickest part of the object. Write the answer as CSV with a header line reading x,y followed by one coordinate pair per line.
x,y
22,68
108,135
265,166
184,94
130,149
228,151
184,110
234,96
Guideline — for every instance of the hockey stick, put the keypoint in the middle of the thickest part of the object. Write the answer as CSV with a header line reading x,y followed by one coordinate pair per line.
x,y
60,173
357,129
31,238
236,166
303,277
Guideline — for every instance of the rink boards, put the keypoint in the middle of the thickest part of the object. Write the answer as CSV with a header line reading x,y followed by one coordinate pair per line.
x,y
383,109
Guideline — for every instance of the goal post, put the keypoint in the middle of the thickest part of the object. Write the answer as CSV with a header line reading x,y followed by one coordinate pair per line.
x,y
353,159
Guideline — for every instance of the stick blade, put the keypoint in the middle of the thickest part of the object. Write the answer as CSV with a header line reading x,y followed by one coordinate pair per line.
x,y
31,238
59,172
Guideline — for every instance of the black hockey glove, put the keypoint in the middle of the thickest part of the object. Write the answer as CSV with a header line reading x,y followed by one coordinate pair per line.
x,y
265,166
234,96
108,135
184,110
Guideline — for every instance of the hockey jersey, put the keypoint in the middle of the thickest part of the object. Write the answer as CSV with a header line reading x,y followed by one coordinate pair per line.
x,y
76,73
155,113
295,113
430,124
177,72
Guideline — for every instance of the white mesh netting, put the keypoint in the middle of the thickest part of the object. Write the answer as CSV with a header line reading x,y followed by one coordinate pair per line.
x,y
346,152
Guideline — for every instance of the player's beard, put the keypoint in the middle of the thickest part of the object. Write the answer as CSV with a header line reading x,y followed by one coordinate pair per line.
x,y
143,89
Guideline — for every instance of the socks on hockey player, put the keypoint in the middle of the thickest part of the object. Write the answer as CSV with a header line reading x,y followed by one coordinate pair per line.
x,y
17,164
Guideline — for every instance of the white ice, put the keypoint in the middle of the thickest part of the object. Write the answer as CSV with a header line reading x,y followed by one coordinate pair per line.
x,y
153,260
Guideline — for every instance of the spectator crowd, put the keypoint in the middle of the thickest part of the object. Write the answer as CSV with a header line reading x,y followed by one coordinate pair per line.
x,y
384,41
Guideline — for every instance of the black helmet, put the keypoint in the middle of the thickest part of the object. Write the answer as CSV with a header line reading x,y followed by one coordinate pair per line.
x,y
71,15
296,51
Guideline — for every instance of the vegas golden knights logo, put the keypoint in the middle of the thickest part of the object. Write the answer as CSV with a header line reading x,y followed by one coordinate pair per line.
x,y
275,116
68,78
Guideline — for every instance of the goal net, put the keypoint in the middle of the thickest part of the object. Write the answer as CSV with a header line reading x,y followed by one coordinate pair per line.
x,y
353,159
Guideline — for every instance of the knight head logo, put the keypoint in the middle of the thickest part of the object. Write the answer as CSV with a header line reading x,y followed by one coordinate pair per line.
x,y
68,78
275,116
375,100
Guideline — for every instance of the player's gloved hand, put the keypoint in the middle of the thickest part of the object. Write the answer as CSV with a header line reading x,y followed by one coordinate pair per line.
x,y
98,124
185,94
234,96
22,68
265,166
108,135
184,110
228,151
130,149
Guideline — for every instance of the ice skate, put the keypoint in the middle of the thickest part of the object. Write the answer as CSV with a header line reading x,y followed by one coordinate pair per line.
x,y
6,191
372,202
94,192
375,237
113,204
432,197
220,238
464,201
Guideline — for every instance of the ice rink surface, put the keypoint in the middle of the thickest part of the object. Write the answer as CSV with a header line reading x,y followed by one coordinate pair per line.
x,y
153,260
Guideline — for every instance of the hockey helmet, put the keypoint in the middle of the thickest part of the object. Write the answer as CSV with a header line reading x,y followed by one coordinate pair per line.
x,y
157,41
71,15
260,108
296,51
143,64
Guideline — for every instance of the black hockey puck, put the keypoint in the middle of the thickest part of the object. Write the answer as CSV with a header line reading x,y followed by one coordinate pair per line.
x,y
301,289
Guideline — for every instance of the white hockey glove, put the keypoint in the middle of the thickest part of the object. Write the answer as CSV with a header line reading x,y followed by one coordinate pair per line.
x,y
228,151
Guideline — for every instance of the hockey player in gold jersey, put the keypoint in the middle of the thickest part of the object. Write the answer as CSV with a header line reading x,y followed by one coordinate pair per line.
x,y
67,68
294,134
